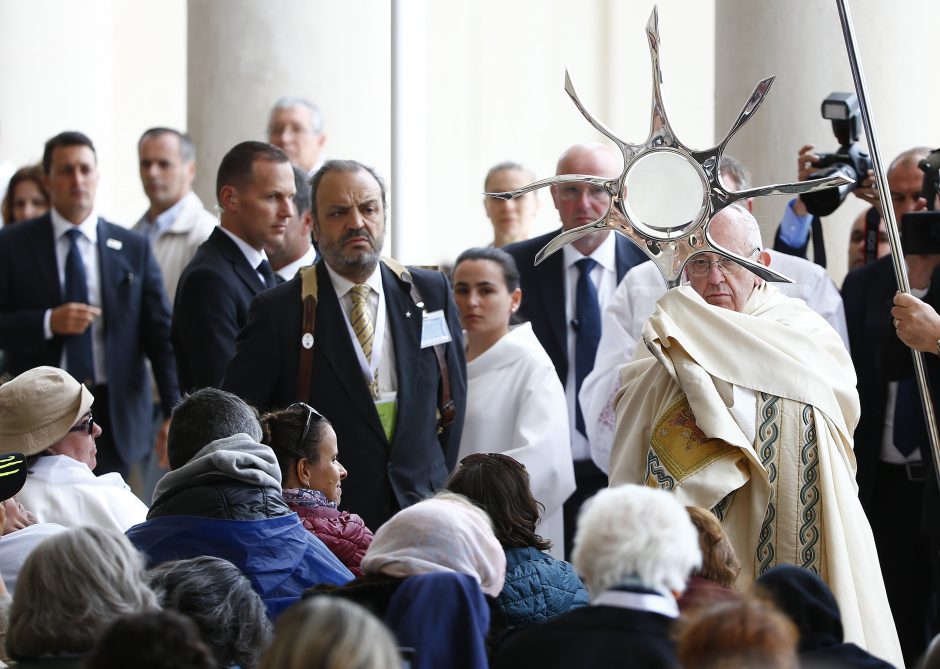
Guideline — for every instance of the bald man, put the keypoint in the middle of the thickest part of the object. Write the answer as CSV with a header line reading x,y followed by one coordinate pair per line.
x,y
744,402
563,297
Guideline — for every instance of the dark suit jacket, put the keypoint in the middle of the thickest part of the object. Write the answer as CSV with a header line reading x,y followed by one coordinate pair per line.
x,y
543,292
592,637
897,362
211,306
136,320
383,476
868,295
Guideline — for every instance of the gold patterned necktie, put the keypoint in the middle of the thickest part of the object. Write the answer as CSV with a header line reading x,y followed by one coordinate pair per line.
x,y
361,319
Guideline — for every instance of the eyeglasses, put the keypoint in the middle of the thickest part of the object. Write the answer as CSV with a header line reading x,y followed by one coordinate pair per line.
x,y
572,193
85,426
702,266
311,412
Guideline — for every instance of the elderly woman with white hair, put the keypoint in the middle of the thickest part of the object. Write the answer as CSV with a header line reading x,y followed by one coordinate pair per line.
x,y
634,549
70,590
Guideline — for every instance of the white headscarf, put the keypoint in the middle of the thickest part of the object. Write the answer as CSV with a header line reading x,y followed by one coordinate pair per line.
x,y
445,533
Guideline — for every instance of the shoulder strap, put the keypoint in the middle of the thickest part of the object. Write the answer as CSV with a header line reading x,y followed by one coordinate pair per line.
x,y
308,294
446,408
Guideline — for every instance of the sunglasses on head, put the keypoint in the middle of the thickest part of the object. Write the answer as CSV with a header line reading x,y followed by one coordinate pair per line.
x,y
311,412
85,426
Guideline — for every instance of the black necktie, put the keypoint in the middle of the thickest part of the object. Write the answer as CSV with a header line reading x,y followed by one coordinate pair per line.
x,y
910,431
587,324
79,358
264,269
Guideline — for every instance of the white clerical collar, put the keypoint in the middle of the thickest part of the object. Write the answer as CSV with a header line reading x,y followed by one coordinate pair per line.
x,y
638,601
88,227
252,255
343,285
605,255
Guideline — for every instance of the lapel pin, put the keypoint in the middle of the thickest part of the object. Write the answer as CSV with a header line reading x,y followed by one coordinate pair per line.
x,y
408,314
115,244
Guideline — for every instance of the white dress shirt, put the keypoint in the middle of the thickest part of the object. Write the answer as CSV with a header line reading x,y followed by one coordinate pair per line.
x,y
252,255
88,247
289,271
383,348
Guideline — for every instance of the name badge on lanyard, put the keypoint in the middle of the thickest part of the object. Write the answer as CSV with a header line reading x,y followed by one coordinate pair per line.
x,y
434,329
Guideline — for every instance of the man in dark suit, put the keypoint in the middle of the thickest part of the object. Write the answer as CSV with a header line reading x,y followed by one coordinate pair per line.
x,y
374,371
255,189
635,549
564,295
86,295
890,433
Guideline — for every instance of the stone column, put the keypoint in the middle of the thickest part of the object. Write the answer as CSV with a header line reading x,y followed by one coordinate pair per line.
x,y
802,44
244,55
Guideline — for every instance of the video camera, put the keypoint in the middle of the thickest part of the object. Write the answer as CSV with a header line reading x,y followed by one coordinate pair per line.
x,y
842,109
920,230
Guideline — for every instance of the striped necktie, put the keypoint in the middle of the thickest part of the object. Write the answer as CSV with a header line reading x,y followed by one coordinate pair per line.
x,y
361,318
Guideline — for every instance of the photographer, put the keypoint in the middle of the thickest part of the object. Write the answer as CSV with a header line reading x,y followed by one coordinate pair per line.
x,y
890,434
904,180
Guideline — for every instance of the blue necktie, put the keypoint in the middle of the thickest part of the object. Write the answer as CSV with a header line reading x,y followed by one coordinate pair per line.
x,y
79,358
587,326
264,269
910,430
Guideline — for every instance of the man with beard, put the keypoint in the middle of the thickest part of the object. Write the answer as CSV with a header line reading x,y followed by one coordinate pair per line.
x,y
377,355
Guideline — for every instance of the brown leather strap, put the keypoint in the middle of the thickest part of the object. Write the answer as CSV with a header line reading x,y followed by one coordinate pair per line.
x,y
446,408
307,331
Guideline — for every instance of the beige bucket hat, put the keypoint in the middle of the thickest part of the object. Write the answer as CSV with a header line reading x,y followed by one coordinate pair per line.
x,y
37,409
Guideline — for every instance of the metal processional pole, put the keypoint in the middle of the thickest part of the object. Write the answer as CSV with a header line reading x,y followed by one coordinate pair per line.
x,y
891,224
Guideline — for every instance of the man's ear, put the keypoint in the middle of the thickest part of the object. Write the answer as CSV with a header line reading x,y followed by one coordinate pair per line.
x,y
764,258
306,222
228,198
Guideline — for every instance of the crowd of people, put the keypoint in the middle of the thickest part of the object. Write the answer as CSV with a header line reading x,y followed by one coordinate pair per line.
x,y
339,461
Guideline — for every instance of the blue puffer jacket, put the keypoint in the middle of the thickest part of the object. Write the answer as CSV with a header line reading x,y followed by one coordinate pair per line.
x,y
538,587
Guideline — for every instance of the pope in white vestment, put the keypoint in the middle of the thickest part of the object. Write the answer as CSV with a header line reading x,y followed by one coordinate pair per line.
x,y
744,402
751,415
516,406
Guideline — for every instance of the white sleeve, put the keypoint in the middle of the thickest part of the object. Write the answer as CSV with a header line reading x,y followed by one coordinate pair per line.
x,y
541,440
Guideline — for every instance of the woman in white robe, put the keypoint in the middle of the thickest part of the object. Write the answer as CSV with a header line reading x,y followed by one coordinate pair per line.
x,y
515,402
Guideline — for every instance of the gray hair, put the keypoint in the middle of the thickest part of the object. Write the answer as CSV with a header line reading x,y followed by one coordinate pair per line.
x,y
219,598
632,532
734,168
287,102
187,150
330,633
71,588
205,416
